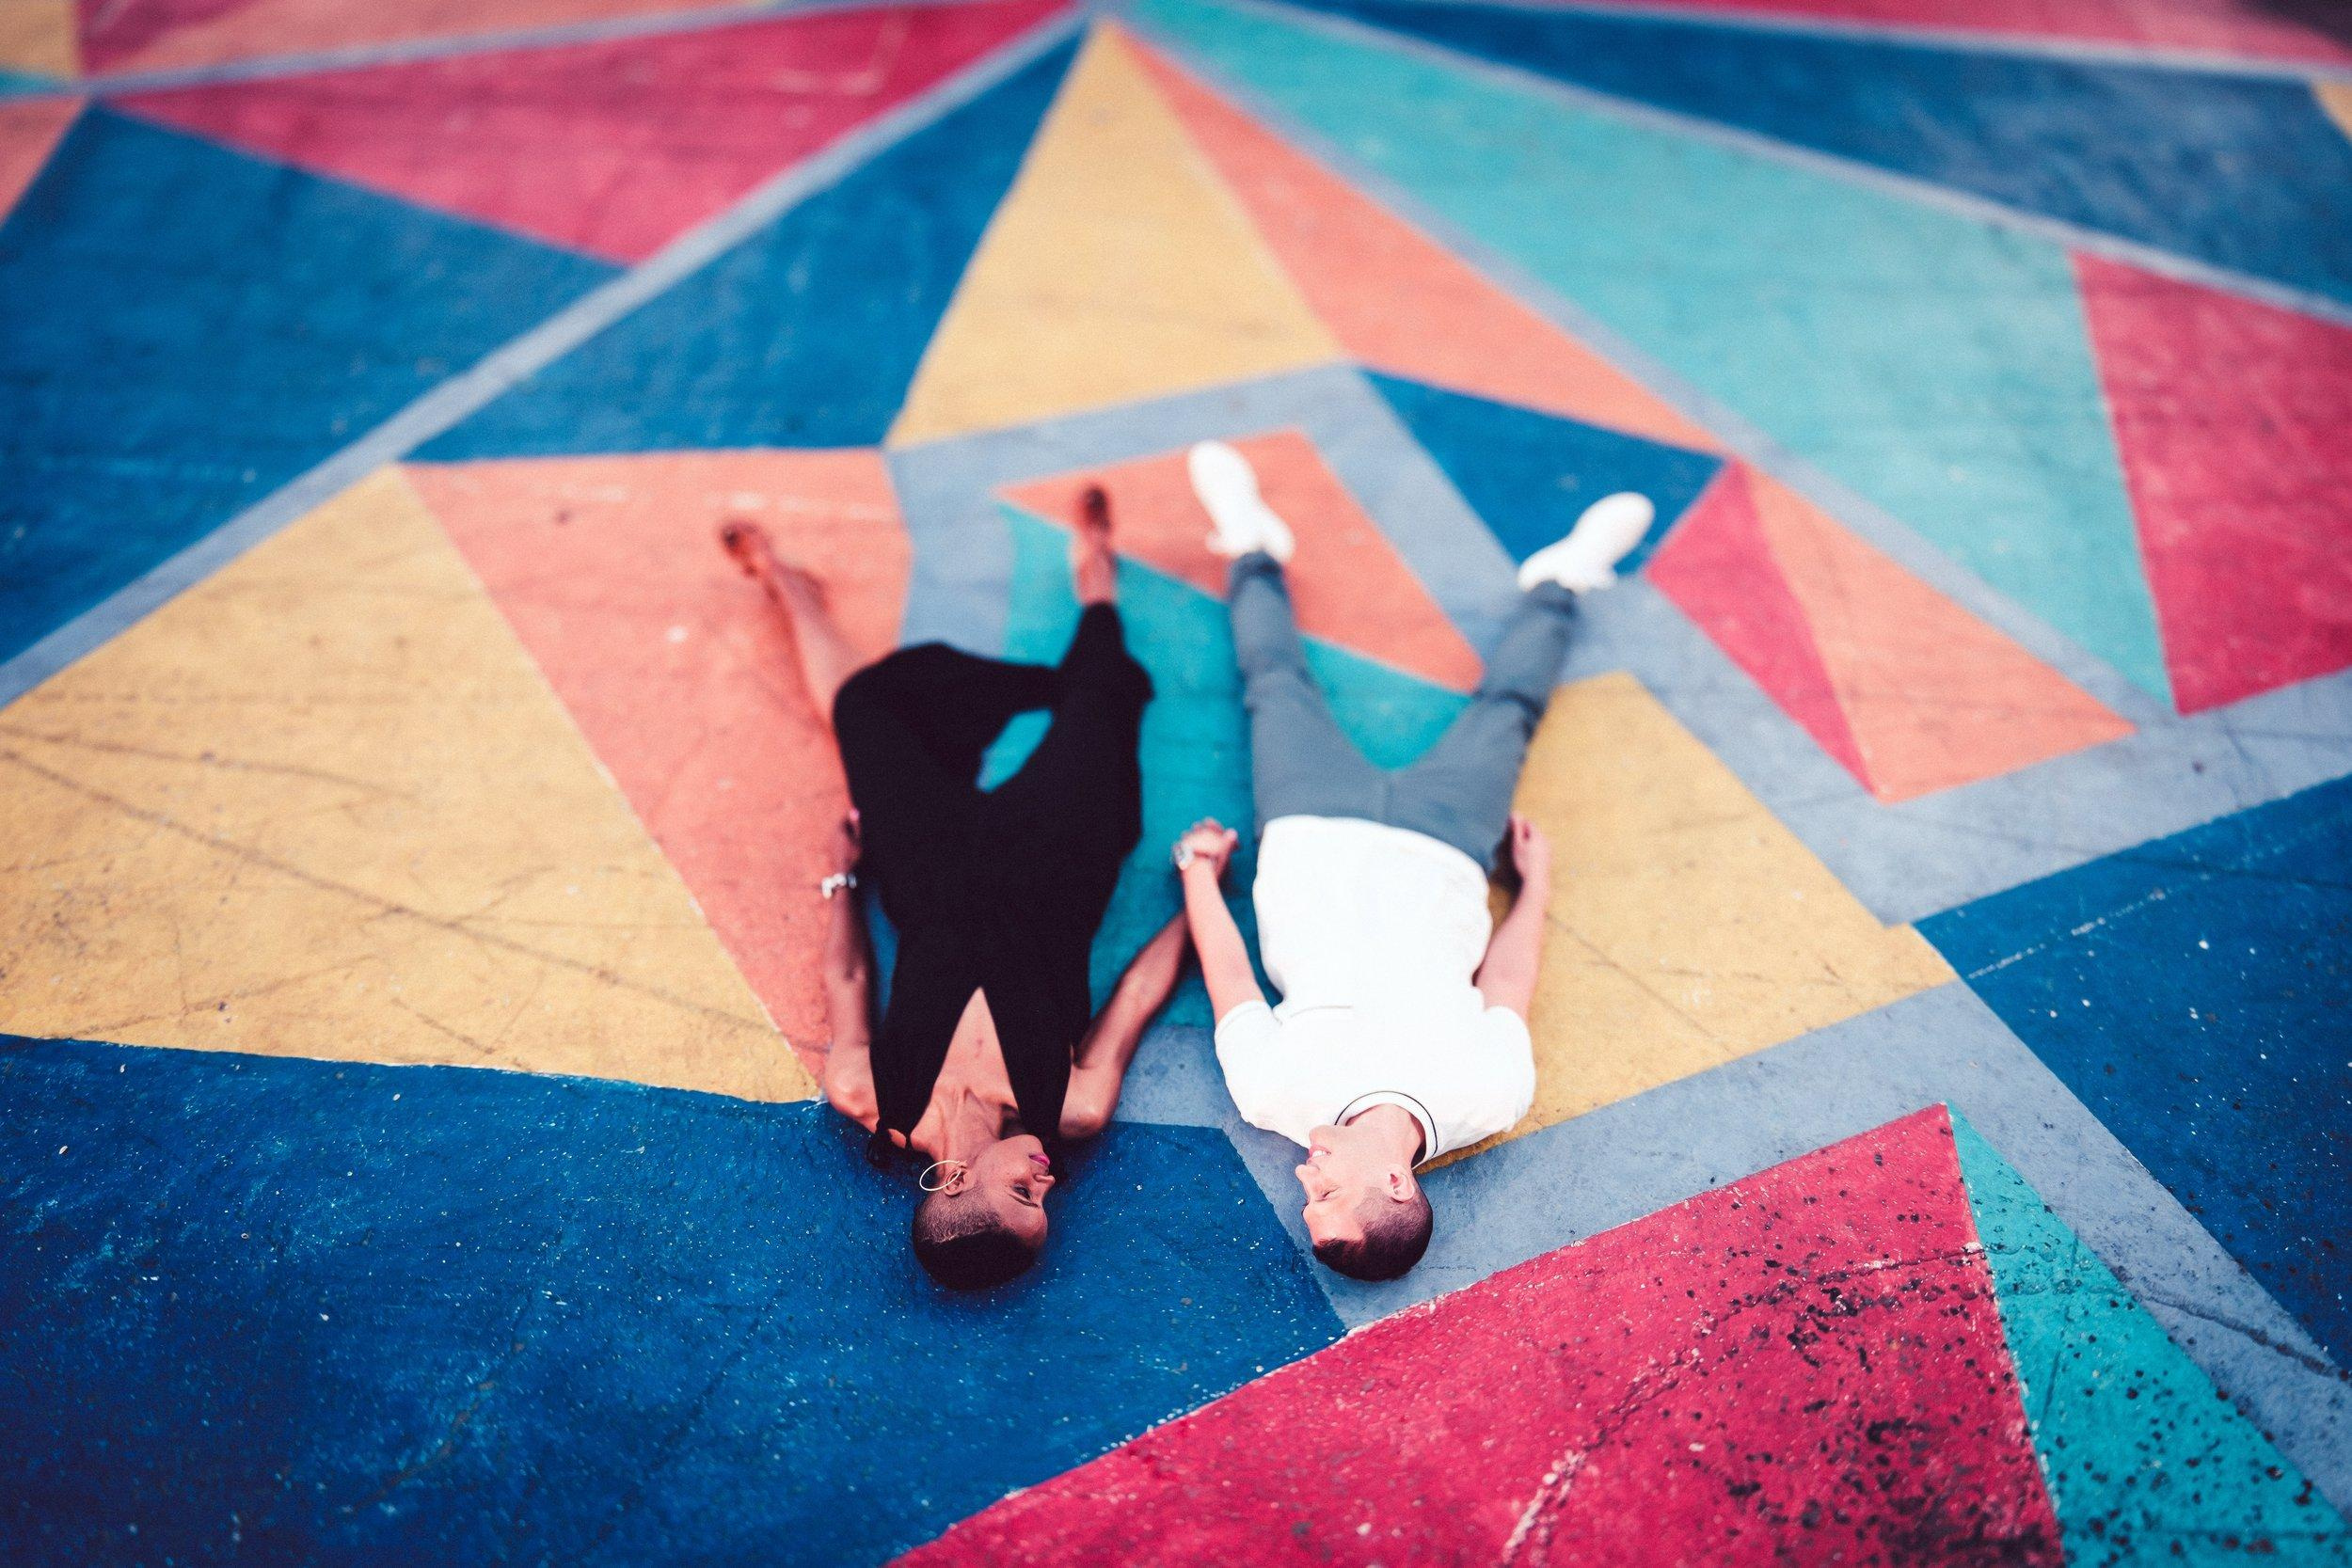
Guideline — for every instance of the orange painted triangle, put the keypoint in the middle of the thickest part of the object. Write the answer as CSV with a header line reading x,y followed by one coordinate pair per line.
x,y
29,131
1718,569
1395,299
1933,696
1349,583
681,675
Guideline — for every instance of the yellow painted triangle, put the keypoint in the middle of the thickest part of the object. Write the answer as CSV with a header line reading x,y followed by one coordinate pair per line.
x,y
1689,926
1118,268
37,37
324,805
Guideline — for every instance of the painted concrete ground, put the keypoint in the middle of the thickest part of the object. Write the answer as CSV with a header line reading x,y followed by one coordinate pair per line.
x,y
1943,1149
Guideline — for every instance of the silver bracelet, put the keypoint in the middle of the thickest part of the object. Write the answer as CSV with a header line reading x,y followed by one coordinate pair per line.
x,y
1183,855
835,882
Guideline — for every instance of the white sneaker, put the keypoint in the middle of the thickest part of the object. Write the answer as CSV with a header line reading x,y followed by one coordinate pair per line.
x,y
1588,559
1225,484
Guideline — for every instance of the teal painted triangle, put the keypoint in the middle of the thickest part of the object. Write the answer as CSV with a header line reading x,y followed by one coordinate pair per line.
x,y
1936,365
17,84
2171,156
2146,1462
1196,739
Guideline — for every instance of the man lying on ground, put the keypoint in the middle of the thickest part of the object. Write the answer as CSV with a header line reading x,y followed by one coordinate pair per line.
x,y
1402,1033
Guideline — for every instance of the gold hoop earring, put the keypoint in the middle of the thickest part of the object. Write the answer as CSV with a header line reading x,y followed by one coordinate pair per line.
x,y
925,1182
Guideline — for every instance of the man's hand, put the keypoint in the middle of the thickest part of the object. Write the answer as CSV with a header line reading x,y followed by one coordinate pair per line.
x,y
1530,852
1225,966
1213,842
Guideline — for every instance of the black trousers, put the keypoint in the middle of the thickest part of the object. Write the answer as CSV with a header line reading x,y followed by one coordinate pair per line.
x,y
997,889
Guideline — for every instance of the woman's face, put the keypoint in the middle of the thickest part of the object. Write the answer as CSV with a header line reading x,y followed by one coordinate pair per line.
x,y
1013,1177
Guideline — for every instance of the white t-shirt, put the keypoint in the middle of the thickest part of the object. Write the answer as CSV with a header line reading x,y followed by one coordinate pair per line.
x,y
1372,933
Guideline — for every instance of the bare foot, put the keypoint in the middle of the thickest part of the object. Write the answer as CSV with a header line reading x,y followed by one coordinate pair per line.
x,y
1094,572
749,545
751,549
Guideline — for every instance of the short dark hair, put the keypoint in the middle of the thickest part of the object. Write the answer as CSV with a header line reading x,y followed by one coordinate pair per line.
x,y
1395,1236
961,1244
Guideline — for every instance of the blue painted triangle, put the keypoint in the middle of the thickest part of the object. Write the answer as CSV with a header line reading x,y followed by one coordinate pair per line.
x,y
2243,171
186,328
1936,365
2192,992
2145,1462
1529,475
16,84
630,1325
807,333
1196,736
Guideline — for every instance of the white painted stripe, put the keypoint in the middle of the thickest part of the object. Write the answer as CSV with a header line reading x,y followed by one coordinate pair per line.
x,y
470,390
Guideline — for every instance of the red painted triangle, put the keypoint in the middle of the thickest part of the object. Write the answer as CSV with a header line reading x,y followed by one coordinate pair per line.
x,y
1719,568
1805,1367
613,147
1349,583
2231,417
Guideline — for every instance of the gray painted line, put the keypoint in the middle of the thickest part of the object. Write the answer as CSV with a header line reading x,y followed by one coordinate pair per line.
x,y
1881,529
1634,112
472,389
414,51
1910,859
2027,45
1623,1162
963,556
1903,861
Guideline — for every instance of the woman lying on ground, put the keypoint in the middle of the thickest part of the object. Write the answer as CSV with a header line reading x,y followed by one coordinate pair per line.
x,y
986,1057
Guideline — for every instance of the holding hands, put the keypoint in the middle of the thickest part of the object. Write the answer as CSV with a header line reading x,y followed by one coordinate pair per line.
x,y
1208,842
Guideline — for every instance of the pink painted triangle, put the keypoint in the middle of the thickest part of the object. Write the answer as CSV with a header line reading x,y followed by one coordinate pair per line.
x,y
1719,568
678,673
1397,300
1933,696
613,147
2231,417
1805,1367
30,130
1349,583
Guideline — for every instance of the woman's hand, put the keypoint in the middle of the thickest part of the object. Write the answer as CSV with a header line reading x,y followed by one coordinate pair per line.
x,y
1530,852
1213,842
844,850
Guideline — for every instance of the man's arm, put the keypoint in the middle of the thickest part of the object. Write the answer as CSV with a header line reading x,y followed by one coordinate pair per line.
x,y
1225,966
1506,976
1111,1039
849,995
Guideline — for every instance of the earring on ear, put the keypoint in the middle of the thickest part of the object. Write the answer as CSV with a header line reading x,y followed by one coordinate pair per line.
x,y
926,1183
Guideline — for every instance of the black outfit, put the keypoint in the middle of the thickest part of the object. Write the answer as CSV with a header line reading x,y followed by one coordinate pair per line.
x,y
998,890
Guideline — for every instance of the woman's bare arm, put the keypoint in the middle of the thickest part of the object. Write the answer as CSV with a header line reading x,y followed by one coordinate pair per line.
x,y
849,995
1111,1039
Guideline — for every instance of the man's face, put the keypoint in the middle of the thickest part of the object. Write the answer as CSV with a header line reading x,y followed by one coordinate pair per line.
x,y
1013,1177
1346,1172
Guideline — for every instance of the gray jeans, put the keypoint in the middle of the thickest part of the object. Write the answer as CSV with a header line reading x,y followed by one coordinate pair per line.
x,y
1302,764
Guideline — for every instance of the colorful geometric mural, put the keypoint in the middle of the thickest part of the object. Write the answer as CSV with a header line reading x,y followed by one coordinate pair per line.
x,y
1940,1139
